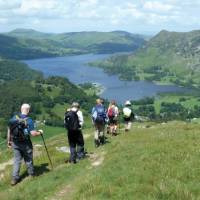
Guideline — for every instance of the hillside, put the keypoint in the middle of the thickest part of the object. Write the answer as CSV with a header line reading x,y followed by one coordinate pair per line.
x,y
153,161
13,70
169,57
28,43
14,48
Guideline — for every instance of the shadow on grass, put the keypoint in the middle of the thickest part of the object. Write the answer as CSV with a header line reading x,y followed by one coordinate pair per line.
x,y
39,170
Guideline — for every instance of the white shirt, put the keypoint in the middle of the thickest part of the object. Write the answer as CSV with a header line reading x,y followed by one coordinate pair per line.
x,y
80,116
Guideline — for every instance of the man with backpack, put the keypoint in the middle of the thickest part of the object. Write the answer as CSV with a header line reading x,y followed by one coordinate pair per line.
x,y
20,128
128,115
99,119
112,114
73,123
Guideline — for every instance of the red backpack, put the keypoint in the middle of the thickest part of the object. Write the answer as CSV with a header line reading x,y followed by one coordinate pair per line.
x,y
111,112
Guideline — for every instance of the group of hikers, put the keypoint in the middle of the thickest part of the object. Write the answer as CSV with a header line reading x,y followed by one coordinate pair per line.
x,y
21,127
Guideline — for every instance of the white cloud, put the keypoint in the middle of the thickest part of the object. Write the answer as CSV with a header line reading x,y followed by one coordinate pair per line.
x,y
157,6
6,5
112,14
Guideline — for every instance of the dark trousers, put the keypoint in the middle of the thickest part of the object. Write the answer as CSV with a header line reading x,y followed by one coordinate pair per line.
x,y
76,144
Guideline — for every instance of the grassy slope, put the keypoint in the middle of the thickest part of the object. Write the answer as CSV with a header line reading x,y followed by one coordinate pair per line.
x,y
189,102
159,162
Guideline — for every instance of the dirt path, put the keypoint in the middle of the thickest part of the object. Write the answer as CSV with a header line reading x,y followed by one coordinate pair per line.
x,y
5,164
63,194
97,159
3,167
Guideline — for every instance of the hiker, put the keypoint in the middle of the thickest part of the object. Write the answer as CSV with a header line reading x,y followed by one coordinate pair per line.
x,y
128,115
99,119
112,114
73,123
20,128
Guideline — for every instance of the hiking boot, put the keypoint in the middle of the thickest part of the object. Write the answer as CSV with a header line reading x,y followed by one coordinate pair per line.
x,y
73,161
70,161
14,182
96,143
32,176
102,140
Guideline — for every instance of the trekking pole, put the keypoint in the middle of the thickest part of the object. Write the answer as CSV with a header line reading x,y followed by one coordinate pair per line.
x,y
47,151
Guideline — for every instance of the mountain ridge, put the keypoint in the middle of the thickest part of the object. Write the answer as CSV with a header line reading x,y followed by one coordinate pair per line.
x,y
34,44
168,57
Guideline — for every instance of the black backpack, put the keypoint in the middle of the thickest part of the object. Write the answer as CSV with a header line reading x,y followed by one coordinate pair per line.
x,y
72,121
17,128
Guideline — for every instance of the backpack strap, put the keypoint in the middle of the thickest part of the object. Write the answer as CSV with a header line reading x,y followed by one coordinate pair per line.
x,y
22,119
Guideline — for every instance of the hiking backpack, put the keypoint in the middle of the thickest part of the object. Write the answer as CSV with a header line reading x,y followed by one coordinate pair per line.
x,y
17,129
99,114
127,112
71,121
111,112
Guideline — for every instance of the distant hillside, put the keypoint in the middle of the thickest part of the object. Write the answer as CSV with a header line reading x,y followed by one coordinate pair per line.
x,y
14,48
13,70
169,57
28,43
28,33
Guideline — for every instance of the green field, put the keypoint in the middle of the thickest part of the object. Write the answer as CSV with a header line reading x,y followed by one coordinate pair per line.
x,y
188,101
153,161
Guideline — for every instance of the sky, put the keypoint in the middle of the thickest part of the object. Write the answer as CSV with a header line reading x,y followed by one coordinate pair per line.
x,y
136,16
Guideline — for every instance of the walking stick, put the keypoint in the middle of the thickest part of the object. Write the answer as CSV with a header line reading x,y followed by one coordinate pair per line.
x,y
47,151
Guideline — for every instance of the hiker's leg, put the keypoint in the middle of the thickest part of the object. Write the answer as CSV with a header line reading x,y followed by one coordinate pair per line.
x,y
28,157
96,135
102,133
113,129
129,125
80,145
115,126
108,128
126,126
17,162
72,145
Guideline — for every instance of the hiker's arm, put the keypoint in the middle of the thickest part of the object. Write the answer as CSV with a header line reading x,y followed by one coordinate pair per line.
x,y
9,141
92,114
32,130
36,133
80,118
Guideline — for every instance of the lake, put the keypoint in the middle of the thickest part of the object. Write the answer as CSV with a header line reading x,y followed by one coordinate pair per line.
x,y
75,68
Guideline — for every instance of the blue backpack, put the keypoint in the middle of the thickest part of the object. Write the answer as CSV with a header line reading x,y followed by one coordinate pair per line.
x,y
99,114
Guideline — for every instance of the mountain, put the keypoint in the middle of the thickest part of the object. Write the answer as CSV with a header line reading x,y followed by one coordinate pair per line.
x,y
28,43
169,57
28,33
